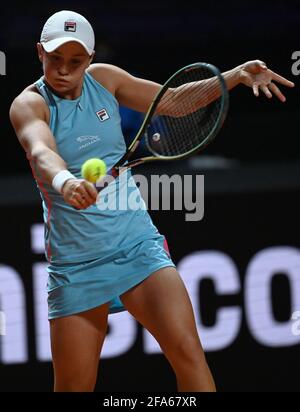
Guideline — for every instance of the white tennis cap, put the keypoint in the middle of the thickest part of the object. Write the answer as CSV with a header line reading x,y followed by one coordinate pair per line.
x,y
65,26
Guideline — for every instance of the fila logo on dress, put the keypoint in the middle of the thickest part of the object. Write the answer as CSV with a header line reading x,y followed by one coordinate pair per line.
x,y
102,115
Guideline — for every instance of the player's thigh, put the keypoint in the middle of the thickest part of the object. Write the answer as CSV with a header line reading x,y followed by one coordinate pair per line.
x,y
162,305
76,343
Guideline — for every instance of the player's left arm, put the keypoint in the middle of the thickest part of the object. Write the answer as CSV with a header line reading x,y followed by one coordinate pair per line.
x,y
138,94
254,74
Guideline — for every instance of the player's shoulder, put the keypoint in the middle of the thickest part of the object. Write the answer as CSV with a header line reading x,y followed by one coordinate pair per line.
x,y
103,69
29,97
107,75
29,100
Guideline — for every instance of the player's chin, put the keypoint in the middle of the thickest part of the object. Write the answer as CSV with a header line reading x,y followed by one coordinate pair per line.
x,y
61,85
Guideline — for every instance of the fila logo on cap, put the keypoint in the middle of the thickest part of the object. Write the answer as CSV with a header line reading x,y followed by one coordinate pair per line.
x,y
102,115
70,26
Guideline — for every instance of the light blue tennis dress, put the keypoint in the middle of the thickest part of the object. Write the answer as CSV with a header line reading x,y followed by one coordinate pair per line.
x,y
95,254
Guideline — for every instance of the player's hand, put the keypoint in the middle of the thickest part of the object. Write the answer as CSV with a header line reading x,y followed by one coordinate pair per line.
x,y
259,77
79,193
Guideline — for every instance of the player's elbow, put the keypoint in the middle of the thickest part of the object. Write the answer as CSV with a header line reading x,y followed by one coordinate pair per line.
x,y
173,104
167,103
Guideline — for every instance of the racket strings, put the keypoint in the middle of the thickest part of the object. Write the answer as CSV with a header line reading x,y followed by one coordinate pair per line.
x,y
194,110
200,117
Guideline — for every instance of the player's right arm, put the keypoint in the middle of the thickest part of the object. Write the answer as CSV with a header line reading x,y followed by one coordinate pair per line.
x,y
28,115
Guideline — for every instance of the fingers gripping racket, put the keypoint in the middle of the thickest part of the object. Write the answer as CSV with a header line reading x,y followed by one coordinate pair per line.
x,y
185,116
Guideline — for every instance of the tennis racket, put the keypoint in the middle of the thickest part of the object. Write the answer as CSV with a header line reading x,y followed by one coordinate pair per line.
x,y
185,116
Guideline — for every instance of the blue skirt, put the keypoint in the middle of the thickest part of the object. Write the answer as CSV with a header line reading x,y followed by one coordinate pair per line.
x,y
75,288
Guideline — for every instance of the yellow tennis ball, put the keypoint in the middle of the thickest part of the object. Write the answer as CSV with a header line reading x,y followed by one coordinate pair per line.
x,y
93,169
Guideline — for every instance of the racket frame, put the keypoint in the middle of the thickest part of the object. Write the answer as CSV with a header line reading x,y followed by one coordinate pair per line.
x,y
156,156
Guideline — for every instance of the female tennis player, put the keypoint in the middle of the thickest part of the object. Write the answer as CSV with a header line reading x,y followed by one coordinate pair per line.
x,y
103,261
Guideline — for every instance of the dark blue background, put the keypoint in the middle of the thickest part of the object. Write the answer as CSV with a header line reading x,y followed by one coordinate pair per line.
x,y
249,207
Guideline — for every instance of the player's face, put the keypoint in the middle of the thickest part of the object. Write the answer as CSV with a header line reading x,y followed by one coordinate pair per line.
x,y
64,68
